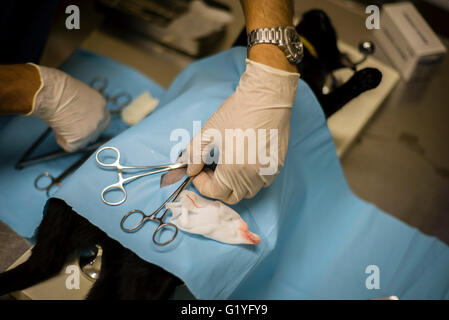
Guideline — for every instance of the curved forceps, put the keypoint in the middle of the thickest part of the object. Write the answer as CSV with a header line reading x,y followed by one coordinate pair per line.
x,y
122,181
153,216
120,100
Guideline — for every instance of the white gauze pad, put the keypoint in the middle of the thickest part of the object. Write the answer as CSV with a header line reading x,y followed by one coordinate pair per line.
x,y
139,108
212,219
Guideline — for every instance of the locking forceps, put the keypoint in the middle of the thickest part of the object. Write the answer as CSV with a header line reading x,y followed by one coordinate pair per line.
x,y
26,161
119,185
57,182
153,217
120,100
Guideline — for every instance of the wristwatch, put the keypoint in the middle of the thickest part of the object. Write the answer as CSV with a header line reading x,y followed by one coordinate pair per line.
x,y
286,38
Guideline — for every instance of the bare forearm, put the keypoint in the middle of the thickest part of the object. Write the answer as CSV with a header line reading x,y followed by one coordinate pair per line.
x,y
18,85
267,14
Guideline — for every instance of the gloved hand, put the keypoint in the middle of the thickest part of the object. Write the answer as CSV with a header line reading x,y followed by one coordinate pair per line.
x,y
76,113
262,100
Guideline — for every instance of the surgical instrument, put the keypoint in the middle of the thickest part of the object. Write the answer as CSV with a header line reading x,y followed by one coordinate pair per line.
x,y
154,217
56,182
120,100
120,170
60,153
32,148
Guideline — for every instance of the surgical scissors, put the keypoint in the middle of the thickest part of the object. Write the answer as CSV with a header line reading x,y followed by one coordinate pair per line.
x,y
122,181
56,182
120,100
154,217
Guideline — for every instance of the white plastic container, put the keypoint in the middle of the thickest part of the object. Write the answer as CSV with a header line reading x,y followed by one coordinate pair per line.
x,y
412,46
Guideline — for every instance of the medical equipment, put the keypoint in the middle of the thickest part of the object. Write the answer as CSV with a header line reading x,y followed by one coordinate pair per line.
x,y
153,217
211,219
19,164
58,154
84,66
121,181
25,162
56,182
120,100
139,108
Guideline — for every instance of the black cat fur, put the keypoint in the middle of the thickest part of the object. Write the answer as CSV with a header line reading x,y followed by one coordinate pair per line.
x,y
62,234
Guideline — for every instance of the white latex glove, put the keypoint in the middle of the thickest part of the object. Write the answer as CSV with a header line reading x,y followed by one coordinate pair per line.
x,y
76,113
262,100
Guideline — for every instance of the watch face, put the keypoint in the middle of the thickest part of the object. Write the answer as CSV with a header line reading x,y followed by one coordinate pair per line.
x,y
295,46
291,35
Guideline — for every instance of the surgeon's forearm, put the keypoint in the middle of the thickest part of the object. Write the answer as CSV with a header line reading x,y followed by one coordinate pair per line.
x,y
18,86
267,14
